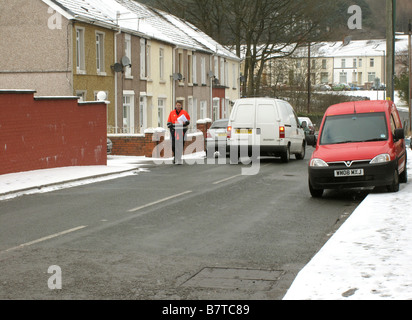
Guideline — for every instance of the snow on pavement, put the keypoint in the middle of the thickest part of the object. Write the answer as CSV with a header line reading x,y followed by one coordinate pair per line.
x,y
370,255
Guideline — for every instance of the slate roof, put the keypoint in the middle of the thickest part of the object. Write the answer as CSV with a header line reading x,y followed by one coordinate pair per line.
x,y
142,19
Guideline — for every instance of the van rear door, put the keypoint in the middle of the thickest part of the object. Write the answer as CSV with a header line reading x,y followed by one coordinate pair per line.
x,y
243,122
267,124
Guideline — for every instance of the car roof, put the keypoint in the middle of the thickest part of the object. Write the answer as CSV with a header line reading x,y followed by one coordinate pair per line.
x,y
365,106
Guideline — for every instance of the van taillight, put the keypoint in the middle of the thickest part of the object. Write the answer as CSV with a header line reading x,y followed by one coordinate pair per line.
x,y
281,132
229,132
208,135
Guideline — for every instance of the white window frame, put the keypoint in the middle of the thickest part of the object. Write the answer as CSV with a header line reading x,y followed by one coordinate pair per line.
x,y
100,37
161,112
142,113
81,94
128,53
128,112
80,55
161,63
203,109
194,66
203,70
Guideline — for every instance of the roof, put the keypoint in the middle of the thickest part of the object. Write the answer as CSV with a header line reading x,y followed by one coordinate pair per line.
x,y
134,17
366,106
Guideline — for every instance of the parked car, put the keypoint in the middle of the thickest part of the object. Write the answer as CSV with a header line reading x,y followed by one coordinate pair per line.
x,y
270,124
109,146
216,139
354,87
380,87
341,87
310,127
361,144
322,87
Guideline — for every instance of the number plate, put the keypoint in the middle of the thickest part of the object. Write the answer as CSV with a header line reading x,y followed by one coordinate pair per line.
x,y
244,131
349,173
221,134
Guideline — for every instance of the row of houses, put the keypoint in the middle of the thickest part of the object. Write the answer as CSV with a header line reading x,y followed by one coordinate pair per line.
x,y
358,62
142,59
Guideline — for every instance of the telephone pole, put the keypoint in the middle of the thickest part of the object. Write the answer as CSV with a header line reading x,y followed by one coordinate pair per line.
x,y
390,48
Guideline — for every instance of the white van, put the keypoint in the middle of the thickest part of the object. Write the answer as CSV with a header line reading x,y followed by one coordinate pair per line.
x,y
269,124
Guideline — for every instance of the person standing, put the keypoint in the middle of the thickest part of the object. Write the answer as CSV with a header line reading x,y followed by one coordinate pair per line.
x,y
178,122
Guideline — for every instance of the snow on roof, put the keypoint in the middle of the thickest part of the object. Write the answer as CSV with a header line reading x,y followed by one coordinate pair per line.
x,y
132,16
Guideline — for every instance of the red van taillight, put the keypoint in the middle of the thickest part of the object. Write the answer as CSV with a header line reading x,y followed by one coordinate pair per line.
x,y
281,132
229,132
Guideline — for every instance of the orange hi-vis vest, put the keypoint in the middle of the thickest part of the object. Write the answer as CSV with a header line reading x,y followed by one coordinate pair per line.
x,y
174,115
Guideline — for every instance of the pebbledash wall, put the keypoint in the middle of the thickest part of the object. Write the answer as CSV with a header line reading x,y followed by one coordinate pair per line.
x,y
49,132
153,143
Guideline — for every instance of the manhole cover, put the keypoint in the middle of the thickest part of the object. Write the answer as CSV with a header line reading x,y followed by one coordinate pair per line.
x,y
234,278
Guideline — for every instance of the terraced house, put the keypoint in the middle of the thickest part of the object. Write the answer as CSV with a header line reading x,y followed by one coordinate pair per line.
x,y
143,59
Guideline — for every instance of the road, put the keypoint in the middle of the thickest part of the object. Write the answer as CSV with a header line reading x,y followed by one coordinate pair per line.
x,y
174,232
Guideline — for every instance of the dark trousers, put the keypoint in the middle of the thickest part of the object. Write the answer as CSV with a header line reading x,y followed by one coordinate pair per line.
x,y
178,141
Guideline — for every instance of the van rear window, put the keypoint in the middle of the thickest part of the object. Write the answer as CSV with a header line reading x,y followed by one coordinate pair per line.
x,y
359,127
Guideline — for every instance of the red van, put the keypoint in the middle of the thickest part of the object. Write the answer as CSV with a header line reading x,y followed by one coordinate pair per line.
x,y
360,144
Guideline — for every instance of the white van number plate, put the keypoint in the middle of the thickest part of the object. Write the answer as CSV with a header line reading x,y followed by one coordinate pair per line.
x,y
244,131
349,173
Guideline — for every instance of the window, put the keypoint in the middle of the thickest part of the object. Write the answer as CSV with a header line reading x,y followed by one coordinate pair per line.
x,y
203,70
324,77
100,52
313,65
360,63
371,76
128,53
354,128
324,62
194,69
128,112
216,102
80,60
145,67
343,77
343,63
180,65
161,112
161,64
216,67
203,109
189,68
354,63
372,62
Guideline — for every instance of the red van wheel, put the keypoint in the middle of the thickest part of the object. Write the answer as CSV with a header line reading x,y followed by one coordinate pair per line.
x,y
394,187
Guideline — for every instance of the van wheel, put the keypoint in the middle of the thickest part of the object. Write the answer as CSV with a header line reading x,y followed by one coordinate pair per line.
x,y
301,155
403,177
394,187
285,156
315,193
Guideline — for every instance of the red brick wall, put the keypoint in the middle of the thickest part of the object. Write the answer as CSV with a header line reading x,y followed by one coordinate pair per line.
x,y
39,133
144,144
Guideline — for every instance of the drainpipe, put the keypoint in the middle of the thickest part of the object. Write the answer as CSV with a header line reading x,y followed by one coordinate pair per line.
x,y
115,74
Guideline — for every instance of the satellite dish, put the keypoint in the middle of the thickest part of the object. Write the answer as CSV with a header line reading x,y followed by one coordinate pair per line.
x,y
118,67
125,61
101,96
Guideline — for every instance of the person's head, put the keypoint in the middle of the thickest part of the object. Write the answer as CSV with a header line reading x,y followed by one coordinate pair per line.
x,y
178,105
